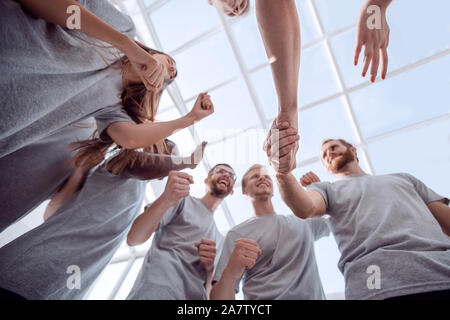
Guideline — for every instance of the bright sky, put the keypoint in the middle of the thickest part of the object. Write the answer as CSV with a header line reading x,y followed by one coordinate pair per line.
x,y
404,121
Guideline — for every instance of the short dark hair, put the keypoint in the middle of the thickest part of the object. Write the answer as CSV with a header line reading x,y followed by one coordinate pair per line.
x,y
210,172
342,141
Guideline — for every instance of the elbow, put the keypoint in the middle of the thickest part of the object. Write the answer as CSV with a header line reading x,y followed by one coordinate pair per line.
x,y
305,213
124,135
128,143
446,231
300,214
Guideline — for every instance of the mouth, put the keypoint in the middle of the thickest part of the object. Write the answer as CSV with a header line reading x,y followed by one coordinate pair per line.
x,y
262,184
330,160
223,182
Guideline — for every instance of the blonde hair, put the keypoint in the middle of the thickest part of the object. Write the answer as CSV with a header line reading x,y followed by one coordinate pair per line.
x,y
247,173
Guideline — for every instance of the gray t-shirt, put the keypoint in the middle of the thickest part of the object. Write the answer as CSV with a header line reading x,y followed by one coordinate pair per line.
x,y
172,269
286,268
51,79
34,173
390,243
85,232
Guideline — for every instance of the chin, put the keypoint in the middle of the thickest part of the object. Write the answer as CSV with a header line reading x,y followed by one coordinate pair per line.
x,y
263,195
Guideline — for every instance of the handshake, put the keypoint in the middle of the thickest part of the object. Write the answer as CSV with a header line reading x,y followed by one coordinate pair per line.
x,y
281,146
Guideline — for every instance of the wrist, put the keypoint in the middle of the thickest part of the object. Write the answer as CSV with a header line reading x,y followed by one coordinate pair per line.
x,y
126,45
282,177
190,119
290,116
209,271
166,200
228,275
383,4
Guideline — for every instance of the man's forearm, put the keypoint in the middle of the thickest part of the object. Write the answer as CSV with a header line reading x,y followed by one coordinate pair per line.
x,y
280,30
383,4
147,223
295,197
223,289
159,168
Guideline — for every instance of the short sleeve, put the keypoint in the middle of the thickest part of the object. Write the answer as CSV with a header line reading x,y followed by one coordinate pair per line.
x,y
425,193
322,188
319,227
107,117
227,249
171,213
106,11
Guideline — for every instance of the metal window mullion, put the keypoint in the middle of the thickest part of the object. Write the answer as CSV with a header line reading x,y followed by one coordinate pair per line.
x,y
124,9
339,78
122,278
403,69
410,127
157,4
176,97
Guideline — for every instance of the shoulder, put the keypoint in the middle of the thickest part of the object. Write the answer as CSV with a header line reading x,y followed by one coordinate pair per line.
x,y
323,185
403,175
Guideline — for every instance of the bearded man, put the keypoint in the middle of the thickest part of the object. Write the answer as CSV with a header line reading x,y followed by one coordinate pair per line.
x,y
180,263
392,230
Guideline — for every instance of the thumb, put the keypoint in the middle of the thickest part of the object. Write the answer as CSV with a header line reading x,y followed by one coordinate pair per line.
x,y
197,244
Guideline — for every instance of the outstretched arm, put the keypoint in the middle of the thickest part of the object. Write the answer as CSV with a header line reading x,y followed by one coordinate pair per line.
x,y
163,164
304,204
133,136
58,12
280,30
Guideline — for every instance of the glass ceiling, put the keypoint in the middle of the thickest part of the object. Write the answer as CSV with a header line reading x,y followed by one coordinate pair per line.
x,y
401,124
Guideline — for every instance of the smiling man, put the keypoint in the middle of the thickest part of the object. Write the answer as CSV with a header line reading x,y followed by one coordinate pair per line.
x,y
180,262
273,254
392,230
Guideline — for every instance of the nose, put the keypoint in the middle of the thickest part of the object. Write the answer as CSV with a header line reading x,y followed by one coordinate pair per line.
x,y
327,154
262,179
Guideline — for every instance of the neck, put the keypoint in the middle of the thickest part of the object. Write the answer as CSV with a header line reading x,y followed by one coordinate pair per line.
x,y
211,201
262,206
350,169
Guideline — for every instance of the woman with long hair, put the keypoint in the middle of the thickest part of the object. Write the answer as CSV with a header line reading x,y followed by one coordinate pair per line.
x,y
53,77
64,79
61,258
